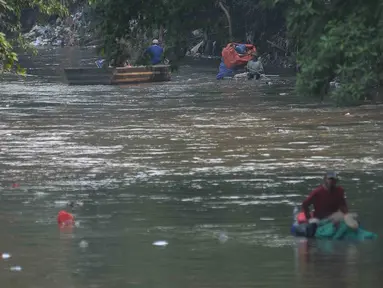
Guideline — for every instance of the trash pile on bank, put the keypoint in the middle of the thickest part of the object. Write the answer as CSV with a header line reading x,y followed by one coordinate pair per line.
x,y
71,31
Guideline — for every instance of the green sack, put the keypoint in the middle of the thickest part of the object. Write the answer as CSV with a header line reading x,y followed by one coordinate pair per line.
x,y
327,230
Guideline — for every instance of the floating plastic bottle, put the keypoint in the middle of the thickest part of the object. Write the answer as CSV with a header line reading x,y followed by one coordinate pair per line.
x,y
161,243
5,256
16,269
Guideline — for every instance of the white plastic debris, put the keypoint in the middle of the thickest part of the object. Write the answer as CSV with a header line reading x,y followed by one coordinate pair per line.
x,y
223,237
83,244
5,256
282,94
16,269
266,219
160,243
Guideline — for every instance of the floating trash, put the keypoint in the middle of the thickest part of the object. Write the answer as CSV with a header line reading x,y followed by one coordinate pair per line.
x,y
83,244
5,256
160,243
266,219
16,269
282,94
223,237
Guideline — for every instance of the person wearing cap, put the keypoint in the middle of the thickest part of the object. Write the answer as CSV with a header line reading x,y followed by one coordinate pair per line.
x,y
254,68
155,51
327,199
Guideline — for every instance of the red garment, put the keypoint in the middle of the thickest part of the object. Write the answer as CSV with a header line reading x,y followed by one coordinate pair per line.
x,y
301,217
325,202
65,218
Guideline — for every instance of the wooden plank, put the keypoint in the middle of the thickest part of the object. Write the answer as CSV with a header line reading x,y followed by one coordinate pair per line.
x,y
136,73
129,80
88,76
88,70
142,68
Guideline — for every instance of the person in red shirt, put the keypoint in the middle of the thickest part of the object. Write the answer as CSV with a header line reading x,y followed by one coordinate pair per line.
x,y
327,199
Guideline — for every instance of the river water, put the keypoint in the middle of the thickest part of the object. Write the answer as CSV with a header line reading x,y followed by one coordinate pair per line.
x,y
212,168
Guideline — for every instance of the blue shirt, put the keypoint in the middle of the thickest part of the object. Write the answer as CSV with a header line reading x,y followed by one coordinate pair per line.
x,y
155,53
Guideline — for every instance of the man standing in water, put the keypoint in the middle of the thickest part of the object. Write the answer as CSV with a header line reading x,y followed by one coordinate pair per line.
x,y
155,51
254,67
327,199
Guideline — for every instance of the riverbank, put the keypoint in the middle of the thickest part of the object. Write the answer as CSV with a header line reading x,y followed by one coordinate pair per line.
x,y
76,31
73,30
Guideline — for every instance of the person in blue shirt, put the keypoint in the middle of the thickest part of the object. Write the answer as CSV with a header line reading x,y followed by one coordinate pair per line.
x,y
155,51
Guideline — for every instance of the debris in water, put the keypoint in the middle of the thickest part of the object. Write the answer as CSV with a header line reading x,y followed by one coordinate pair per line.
x,y
282,94
223,237
347,114
5,256
266,219
16,268
160,243
83,244
74,204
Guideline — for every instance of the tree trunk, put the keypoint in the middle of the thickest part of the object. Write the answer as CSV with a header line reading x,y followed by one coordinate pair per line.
x,y
161,34
226,11
206,42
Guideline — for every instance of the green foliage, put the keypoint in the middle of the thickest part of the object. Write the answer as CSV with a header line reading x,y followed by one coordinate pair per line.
x,y
259,17
134,21
337,39
10,34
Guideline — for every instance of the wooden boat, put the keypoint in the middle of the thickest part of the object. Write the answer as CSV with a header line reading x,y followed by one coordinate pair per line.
x,y
117,76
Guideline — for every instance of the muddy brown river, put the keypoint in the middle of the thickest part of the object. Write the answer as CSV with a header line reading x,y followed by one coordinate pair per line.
x,y
211,169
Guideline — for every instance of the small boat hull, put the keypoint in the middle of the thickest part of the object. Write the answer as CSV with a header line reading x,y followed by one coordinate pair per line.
x,y
117,76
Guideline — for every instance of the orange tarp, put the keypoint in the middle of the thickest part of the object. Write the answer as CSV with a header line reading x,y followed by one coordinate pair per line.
x,y
231,58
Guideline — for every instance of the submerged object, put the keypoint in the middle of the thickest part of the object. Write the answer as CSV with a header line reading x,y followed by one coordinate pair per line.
x,y
65,219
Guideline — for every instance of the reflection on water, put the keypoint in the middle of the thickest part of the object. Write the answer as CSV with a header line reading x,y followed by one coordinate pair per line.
x,y
210,168
337,264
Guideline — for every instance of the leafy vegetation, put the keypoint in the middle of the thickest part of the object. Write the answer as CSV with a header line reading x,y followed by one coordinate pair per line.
x,y
10,27
174,20
337,39
330,39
